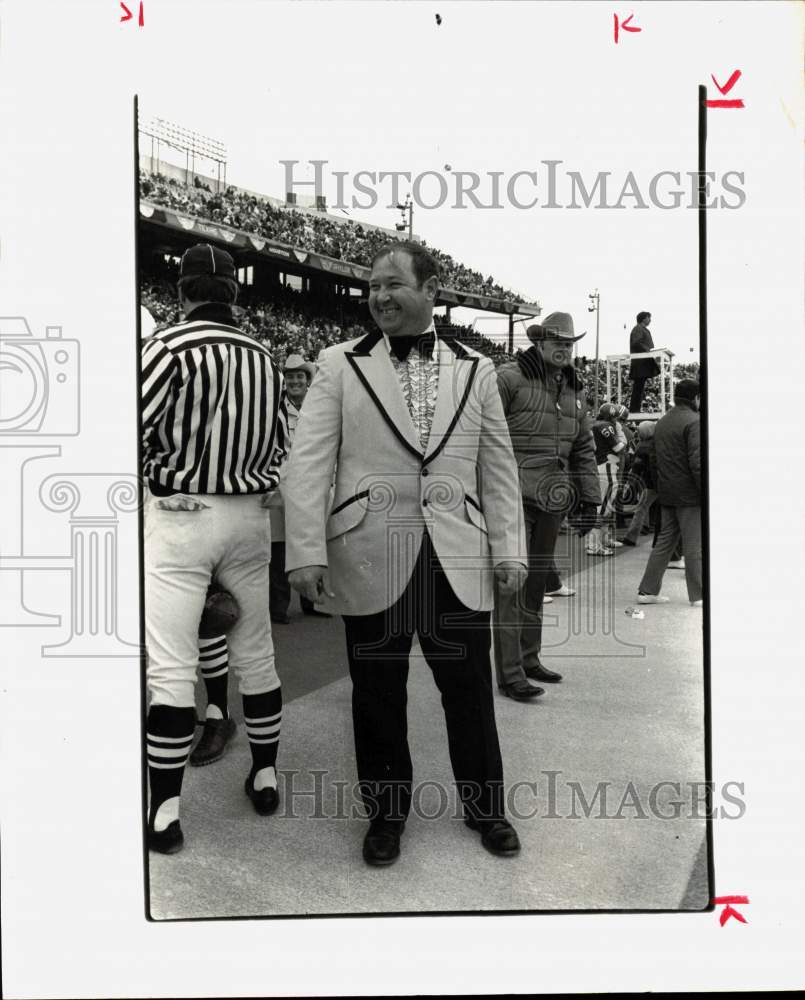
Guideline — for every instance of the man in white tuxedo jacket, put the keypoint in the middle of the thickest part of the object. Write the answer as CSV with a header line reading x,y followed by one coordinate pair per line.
x,y
426,514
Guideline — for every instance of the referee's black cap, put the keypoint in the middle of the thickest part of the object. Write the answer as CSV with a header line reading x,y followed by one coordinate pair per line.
x,y
205,259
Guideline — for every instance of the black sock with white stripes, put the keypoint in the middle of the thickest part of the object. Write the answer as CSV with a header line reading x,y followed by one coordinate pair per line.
x,y
169,734
263,717
213,659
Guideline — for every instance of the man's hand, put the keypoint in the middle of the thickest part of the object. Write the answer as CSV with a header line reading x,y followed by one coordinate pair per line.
x,y
510,576
312,582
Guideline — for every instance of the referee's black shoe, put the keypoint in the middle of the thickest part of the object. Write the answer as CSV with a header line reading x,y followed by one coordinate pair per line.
x,y
167,841
210,747
265,801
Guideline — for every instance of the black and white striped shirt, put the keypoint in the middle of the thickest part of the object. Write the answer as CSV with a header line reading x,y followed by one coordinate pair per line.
x,y
214,418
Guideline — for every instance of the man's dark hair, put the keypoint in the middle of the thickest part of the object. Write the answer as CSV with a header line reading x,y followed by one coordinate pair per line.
x,y
423,264
206,288
642,316
687,388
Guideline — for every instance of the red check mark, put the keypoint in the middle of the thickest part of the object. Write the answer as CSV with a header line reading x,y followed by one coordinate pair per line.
x,y
729,84
734,103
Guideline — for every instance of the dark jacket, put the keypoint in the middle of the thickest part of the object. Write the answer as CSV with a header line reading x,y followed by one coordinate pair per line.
x,y
550,433
642,467
677,458
639,342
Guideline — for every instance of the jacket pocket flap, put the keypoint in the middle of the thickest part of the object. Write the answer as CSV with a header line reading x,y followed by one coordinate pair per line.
x,y
475,514
347,515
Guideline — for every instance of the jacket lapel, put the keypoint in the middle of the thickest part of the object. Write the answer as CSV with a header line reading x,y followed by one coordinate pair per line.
x,y
375,372
456,374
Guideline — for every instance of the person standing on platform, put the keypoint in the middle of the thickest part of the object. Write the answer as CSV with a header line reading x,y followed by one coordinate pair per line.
x,y
298,375
543,400
641,369
677,461
214,437
426,514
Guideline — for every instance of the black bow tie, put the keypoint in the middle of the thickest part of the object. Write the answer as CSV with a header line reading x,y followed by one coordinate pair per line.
x,y
423,343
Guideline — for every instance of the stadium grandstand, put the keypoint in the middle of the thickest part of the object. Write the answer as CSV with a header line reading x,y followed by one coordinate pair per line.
x,y
303,271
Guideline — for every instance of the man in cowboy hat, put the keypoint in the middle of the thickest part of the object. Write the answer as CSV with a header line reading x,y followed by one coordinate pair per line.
x,y
298,375
545,406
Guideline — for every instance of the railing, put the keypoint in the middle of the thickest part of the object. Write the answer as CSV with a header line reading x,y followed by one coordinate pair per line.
x,y
664,357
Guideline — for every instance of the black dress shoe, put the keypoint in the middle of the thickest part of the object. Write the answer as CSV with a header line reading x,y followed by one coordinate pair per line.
x,y
217,733
167,841
541,673
265,801
521,691
315,613
381,845
498,836
281,619
628,541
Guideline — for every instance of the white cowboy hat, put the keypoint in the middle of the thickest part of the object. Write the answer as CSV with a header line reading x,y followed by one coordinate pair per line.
x,y
295,363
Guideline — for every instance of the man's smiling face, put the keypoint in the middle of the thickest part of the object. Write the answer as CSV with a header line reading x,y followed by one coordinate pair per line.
x,y
398,303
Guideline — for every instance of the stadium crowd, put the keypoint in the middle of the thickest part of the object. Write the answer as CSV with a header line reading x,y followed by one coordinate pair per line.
x,y
342,240
290,322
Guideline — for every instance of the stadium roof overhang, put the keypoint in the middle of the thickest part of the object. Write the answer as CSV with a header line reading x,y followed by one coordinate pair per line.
x,y
182,231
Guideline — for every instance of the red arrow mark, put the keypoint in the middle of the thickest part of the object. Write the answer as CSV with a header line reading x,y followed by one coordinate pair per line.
x,y
624,25
725,901
728,912
734,103
128,15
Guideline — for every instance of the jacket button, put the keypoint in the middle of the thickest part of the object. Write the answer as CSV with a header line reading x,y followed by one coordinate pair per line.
x,y
425,472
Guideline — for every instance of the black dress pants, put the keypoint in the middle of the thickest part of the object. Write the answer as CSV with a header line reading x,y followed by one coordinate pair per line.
x,y
638,388
455,642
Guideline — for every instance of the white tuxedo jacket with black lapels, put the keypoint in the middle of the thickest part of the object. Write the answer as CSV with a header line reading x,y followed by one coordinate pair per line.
x,y
462,487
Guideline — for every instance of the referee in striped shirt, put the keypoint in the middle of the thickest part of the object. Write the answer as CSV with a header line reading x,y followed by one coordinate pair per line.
x,y
214,430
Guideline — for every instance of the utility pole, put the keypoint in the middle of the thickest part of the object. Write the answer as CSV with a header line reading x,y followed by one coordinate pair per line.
x,y
595,298
407,212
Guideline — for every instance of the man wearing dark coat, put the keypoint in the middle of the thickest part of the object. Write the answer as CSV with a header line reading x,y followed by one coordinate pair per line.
x,y
641,369
546,410
677,469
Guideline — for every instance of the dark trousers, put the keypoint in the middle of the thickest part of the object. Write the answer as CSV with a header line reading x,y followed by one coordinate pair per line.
x,y
676,555
517,621
553,581
455,644
680,526
279,590
638,387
